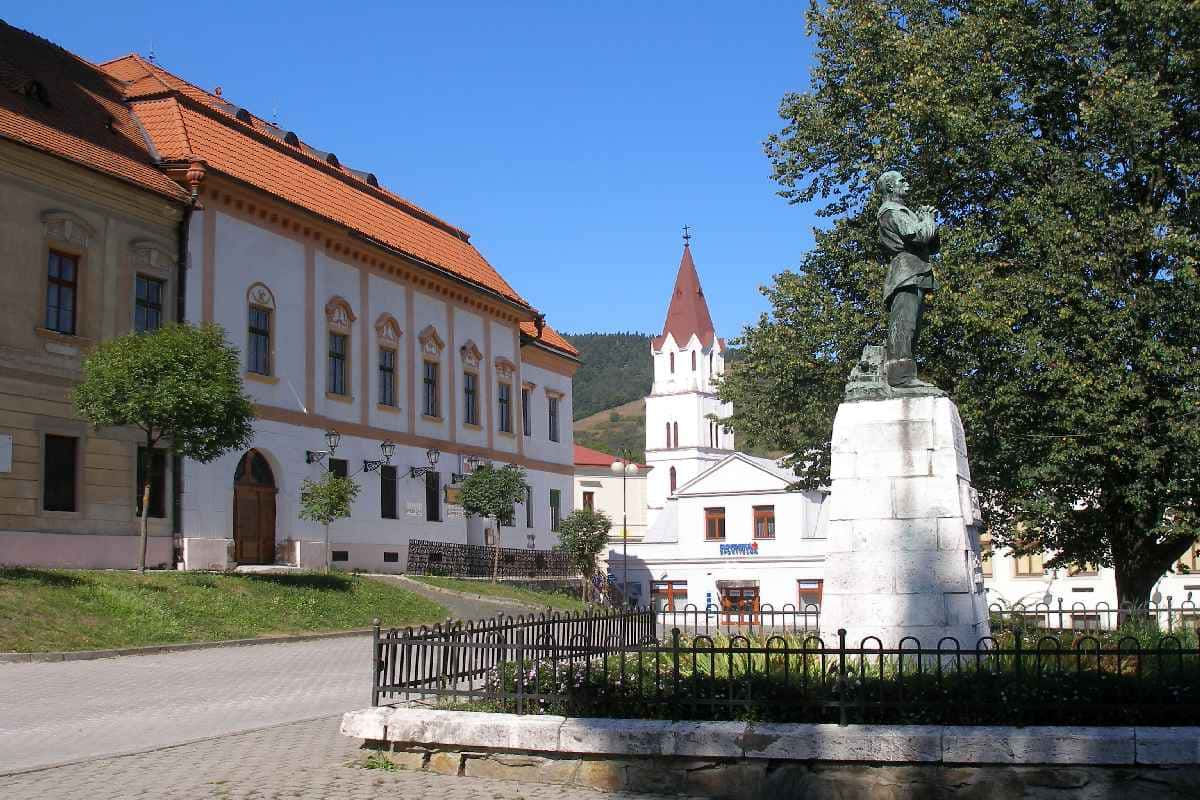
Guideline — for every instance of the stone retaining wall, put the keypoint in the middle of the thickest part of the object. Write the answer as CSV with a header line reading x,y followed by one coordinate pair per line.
x,y
760,760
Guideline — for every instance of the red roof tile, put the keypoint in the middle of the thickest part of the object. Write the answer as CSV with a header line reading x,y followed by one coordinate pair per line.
x,y
587,457
82,119
688,312
550,337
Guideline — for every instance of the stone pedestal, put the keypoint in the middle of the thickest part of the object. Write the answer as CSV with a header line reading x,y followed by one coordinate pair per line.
x,y
903,555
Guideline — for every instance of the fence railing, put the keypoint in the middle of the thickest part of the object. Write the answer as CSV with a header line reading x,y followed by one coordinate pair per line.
x,y
624,664
477,561
743,617
1077,616
451,659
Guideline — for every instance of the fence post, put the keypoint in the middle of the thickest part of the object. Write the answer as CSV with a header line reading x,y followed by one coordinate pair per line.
x,y
1016,695
375,661
842,677
675,666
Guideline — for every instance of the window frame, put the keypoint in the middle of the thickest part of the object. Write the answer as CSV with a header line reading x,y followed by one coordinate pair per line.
x,y
766,516
986,553
673,476
714,524
504,394
389,498
252,331
527,410
160,308
76,261
1023,566
470,391
387,376
337,364
555,510
431,388
589,501
433,489
553,429
800,592
75,486
158,485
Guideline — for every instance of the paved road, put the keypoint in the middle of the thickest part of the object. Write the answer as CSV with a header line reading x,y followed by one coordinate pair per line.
x,y
299,761
459,606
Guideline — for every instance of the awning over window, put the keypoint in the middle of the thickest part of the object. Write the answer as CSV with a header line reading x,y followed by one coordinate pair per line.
x,y
738,583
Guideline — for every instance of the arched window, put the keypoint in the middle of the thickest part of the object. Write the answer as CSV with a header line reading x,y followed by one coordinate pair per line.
x,y
675,432
668,434
672,357
260,334
693,361
388,332
672,480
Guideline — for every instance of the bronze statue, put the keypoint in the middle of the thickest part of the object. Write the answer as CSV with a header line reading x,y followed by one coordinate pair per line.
x,y
908,239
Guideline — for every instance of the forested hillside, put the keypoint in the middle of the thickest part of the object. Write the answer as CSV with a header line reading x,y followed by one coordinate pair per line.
x,y
616,370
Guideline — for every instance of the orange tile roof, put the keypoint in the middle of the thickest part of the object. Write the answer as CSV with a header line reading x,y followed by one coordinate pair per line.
x,y
587,457
55,102
550,337
688,311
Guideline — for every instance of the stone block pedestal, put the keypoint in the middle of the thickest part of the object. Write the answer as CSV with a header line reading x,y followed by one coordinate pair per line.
x,y
903,557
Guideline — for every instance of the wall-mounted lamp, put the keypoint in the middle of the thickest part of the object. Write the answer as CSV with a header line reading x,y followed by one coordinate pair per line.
x,y
387,448
470,463
332,438
431,455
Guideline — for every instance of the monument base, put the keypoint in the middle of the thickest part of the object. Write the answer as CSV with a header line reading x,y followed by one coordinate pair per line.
x,y
903,557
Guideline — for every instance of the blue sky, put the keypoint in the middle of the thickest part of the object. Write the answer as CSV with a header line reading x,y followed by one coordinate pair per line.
x,y
571,139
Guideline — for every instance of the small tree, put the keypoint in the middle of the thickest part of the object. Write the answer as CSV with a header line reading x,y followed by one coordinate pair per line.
x,y
494,493
583,535
181,385
326,501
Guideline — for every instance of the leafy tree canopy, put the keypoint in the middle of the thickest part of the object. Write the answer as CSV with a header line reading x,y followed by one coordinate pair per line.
x,y
492,492
583,535
1061,143
328,499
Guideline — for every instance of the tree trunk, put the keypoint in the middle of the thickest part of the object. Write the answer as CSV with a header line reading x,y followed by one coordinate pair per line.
x,y
496,555
326,548
1135,583
145,521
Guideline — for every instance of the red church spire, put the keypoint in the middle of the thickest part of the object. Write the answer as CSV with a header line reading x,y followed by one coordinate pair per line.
x,y
688,312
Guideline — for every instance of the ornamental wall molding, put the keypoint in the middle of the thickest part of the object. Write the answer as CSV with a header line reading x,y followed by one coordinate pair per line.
x,y
338,313
431,342
65,226
259,295
505,368
148,255
387,329
470,354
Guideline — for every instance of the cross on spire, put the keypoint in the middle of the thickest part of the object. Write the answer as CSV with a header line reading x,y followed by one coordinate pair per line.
x,y
687,236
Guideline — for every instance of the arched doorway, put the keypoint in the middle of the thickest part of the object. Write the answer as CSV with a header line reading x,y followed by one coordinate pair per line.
x,y
254,510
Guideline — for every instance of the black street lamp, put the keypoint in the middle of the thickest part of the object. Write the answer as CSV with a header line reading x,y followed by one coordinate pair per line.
x,y
332,439
431,455
387,448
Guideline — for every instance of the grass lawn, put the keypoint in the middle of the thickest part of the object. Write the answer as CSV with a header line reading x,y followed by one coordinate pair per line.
x,y
556,600
96,610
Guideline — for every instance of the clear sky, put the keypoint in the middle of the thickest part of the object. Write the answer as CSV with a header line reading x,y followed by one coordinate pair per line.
x,y
571,139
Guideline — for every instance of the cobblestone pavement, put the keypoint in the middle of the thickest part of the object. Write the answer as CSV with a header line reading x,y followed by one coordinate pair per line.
x,y
66,711
297,761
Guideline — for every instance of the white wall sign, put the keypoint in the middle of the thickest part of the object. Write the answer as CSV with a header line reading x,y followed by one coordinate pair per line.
x,y
5,452
455,512
414,509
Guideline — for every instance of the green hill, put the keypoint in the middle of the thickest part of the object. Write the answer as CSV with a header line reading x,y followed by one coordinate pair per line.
x,y
612,429
616,369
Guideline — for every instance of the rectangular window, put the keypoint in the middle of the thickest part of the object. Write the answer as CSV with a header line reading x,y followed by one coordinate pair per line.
x,y
339,467
148,304
62,283
337,364
158,481
387,492
1085,622
387,376
810,593
391,557
668,595
528,506
589,501
714,524
339,555
59,473
433,497
259,346
504,406
526,416
1028,566
985,554
764,522
553,405
1083,570
555,509
470,398
431,405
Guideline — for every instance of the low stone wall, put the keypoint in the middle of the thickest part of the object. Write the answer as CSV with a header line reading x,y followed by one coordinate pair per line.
x,y
767,760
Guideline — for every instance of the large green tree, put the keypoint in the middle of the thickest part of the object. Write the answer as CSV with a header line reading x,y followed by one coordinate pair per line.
x,y
1061,143
583,536
181,386
494,493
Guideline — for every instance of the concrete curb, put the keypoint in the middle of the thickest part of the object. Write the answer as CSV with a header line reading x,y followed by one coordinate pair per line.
x,y
152,650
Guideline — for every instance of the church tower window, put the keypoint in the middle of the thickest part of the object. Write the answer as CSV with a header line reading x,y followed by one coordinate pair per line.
x,y
673,477
672,359
675,432
693,361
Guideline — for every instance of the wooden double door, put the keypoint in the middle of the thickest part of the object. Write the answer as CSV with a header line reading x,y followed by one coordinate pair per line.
x,y
254,511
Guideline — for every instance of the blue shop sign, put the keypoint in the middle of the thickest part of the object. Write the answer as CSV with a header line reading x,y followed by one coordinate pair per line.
x,y
742,549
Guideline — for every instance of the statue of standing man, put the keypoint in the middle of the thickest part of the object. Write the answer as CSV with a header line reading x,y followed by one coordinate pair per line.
x,y
908,239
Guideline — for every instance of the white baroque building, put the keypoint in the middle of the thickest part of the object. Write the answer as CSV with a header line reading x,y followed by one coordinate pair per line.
x,y
355,312
725,530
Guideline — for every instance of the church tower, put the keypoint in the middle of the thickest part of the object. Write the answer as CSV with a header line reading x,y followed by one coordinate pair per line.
x,y
681,440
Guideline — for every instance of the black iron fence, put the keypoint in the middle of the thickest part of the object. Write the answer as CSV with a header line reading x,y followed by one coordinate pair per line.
x,y
477,561
623,664
1060,616
740,617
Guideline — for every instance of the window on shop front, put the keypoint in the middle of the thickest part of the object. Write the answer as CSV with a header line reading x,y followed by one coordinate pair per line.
x,y
669,595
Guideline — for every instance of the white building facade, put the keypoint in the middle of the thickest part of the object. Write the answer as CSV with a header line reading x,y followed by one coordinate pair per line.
x,y
358,313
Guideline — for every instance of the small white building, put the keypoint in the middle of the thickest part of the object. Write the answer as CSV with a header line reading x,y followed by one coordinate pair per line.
x,y
622,498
